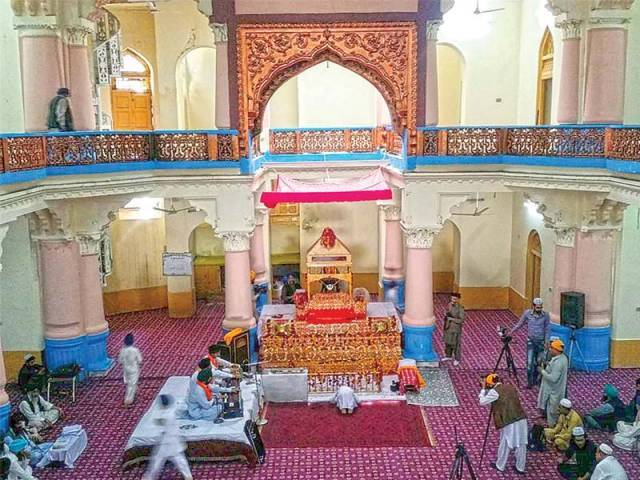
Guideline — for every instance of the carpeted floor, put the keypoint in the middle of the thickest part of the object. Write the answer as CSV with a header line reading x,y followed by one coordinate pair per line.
x,y
171,347
378,424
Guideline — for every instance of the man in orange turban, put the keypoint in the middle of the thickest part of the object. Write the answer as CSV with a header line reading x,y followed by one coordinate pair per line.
x,y
554,382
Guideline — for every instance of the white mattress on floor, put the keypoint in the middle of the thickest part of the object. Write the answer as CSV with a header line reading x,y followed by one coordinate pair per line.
x,y
147,432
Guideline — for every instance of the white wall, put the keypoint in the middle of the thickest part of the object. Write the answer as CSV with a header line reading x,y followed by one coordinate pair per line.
x,y
20,314
632,92
11,110
523,221
283,106
490,45
450,84
195,85
626,300
205,243
485,242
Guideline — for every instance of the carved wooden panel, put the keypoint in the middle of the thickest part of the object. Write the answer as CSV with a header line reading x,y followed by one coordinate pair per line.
x,y
270,54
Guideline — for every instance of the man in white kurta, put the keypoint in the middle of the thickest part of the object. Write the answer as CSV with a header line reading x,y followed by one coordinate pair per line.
x,y
170,446
40,414
509,417
608,467
130,359
554,382
346,399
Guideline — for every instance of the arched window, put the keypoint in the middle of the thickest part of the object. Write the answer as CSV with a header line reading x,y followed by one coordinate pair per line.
x,y
131,94
545,79
134,74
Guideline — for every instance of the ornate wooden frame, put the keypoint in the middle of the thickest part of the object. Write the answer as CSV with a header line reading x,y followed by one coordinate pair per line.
x,y
270,54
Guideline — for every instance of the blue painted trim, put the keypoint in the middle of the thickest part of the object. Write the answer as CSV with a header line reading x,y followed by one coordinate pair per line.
x,y
594,344
5,413
394,292
322,157
418,343
625,166
98,361
59,352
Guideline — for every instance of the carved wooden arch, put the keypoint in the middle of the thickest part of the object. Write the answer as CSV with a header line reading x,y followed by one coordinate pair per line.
x,y
383,53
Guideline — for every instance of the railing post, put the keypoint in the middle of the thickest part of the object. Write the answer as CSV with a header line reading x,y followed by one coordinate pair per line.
x,y
235,144
442,142
298,141
212,146
347,140
271,141
152,147
502,140
419,143
608,142
45,151
5,154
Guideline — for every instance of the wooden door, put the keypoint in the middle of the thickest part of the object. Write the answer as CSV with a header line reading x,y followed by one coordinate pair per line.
x,y
131,111
534,267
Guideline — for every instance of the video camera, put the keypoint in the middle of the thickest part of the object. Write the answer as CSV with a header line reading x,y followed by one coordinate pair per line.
x,y
502,333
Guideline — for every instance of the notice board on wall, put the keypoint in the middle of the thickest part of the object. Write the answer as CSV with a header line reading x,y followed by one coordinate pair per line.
x,y
177,264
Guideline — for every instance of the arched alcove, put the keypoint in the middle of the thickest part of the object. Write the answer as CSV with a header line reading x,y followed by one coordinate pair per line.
x,y
545,79
446,259
195,78
534,267
451,67
208,260
131,102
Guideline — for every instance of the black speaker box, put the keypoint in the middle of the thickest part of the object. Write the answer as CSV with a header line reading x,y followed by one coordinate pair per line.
x,y
572,309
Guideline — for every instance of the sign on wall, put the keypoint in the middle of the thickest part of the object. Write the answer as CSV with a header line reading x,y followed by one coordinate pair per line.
x,y
177,264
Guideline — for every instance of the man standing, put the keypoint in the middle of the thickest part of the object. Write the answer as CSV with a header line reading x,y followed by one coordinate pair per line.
x,y
554,382
59,117
509,417
453,322
560,435
579,459
130,359
539,327
608,467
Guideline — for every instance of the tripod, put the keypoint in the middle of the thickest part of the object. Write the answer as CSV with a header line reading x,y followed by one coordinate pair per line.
x,y
506,352
461,459
573,342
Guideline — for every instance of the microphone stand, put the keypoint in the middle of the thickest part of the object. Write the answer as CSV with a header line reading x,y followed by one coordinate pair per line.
x,y
259,421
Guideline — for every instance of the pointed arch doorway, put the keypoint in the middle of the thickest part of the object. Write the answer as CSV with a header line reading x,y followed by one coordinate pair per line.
x,y
534,267
131,94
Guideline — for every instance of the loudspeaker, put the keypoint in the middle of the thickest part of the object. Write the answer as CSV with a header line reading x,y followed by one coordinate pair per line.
x,y
572,309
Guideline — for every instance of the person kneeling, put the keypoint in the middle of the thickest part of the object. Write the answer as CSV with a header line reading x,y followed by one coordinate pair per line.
x,y
560,434
579,458
606,415
18,432
19,468
346,399
201,404
38,412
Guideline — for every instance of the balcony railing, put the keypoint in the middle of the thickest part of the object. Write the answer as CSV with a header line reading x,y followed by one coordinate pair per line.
x,y
333,140
582,141
21,152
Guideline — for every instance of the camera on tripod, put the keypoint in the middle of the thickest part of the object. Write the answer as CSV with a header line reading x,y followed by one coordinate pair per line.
x,y
502,333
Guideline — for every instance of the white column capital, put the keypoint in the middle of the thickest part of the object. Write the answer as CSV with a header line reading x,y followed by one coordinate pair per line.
x,y
570,28
89,243
220,32
432,29
421,237
391,213
565,236
235,241
261,215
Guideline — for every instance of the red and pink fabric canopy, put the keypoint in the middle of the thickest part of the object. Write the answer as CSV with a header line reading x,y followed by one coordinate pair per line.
x,y
289,190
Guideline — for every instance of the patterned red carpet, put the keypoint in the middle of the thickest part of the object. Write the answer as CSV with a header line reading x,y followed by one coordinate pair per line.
x,y
171,347
389,424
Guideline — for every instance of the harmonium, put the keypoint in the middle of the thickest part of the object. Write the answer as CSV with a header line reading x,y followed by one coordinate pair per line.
x,y
232,401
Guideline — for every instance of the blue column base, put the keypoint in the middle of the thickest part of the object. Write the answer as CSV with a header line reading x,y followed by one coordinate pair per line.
x,y
418,343
98,362
253,343
394,292
261,290
5,412
59,352
594,344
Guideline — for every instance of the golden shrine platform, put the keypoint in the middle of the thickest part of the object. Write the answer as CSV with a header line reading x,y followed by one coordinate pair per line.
x,y
358,352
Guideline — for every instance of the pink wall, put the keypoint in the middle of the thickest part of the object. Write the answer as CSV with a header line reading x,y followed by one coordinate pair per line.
x,y
42,75
564,278
606,61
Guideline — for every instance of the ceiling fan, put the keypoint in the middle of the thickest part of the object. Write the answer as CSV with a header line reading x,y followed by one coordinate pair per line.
x,y
476,211
173,210
477,11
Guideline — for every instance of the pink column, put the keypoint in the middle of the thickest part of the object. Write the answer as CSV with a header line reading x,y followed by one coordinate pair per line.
x,y
62,308
42,74
564,274
81,88
593,277
418,320
258,264
568,100
237,284
393,251
5,406
431,91
223,116
606,62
